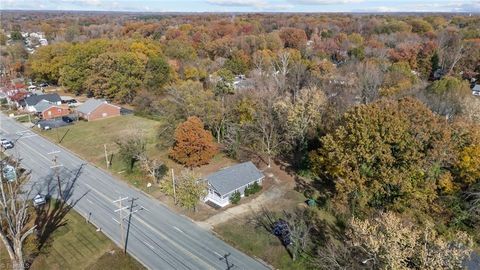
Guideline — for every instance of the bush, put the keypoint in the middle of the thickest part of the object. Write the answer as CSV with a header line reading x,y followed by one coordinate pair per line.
x,y
235,198
252,189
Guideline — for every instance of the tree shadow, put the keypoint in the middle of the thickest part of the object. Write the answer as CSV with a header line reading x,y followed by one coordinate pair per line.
x,y
51,216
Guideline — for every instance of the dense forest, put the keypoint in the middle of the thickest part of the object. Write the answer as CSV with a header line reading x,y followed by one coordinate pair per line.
x,y
374,113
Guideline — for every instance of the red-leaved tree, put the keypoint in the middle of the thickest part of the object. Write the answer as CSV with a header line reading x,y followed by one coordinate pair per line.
x,y
194,146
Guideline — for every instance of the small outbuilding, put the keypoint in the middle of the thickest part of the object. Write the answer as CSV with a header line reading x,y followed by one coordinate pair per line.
x,y
94,109
223,183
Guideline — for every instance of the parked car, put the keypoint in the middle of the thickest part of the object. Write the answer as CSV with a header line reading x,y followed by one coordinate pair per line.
x,y
67,119
39,200
6,144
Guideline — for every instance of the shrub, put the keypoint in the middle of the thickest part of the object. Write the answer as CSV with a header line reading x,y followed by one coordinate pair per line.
x,y
235,198
252,189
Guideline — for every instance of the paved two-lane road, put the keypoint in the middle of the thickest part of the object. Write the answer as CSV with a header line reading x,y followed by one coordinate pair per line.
x,y
159,238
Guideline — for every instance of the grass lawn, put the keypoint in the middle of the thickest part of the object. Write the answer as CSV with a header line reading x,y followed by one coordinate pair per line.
x,y
77,245
87,139
257,242
23,118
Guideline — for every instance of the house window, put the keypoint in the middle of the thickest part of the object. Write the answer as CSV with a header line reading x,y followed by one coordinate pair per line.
x,y
104,114
49,113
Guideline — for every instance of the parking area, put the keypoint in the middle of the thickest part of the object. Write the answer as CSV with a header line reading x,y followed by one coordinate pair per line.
x,y
53,123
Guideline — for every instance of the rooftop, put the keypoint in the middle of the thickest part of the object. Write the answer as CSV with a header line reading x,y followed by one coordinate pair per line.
x,y
91,105
34,99
231,178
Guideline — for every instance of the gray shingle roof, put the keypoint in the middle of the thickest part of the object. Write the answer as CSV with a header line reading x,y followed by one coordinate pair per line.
x,y
476,87
90,105
34,99
231,178
42,106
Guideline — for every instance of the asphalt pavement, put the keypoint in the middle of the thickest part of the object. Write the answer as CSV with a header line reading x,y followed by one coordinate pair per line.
x,y
158,237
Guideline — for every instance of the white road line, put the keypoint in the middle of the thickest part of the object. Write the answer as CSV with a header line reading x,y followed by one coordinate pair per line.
x,y
178,229
193,256
31,148
28,136
150,246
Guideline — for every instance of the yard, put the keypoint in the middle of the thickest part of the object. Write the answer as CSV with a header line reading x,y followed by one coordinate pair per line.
x,y
77,245
88,140
245,234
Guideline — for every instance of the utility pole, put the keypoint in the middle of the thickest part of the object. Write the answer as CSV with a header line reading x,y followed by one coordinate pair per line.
x,y
106,156
55,167
124,237
120,212
173,185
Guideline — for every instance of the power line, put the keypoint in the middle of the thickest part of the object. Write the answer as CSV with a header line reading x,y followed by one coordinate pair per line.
x,y
131,210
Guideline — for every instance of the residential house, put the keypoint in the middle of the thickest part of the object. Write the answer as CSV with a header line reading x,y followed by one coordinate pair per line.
x,y
47,110
223,183
94,109
31,101
16,97
476,90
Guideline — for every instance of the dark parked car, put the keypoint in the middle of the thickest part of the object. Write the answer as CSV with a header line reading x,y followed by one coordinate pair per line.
x,y
67,119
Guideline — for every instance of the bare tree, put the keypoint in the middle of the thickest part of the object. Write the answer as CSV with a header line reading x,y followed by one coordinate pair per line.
x,y
301,114
15,219
267,131
152,167
451,49
281,68
370,79
300,225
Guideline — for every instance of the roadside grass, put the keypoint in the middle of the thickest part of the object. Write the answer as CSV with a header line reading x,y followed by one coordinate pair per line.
x,y
23,119
256,241
77,245
244,234
115,260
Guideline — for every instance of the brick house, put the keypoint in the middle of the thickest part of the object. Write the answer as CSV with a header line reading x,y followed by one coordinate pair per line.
x,y
94,109
51,111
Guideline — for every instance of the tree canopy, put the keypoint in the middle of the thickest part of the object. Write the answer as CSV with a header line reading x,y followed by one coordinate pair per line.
x,y
193,146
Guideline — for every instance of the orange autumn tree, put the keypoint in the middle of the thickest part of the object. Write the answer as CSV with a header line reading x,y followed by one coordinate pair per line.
x,y
194,146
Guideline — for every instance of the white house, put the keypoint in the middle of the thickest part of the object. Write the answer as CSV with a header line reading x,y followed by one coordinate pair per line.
x,y
223,183
33,100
